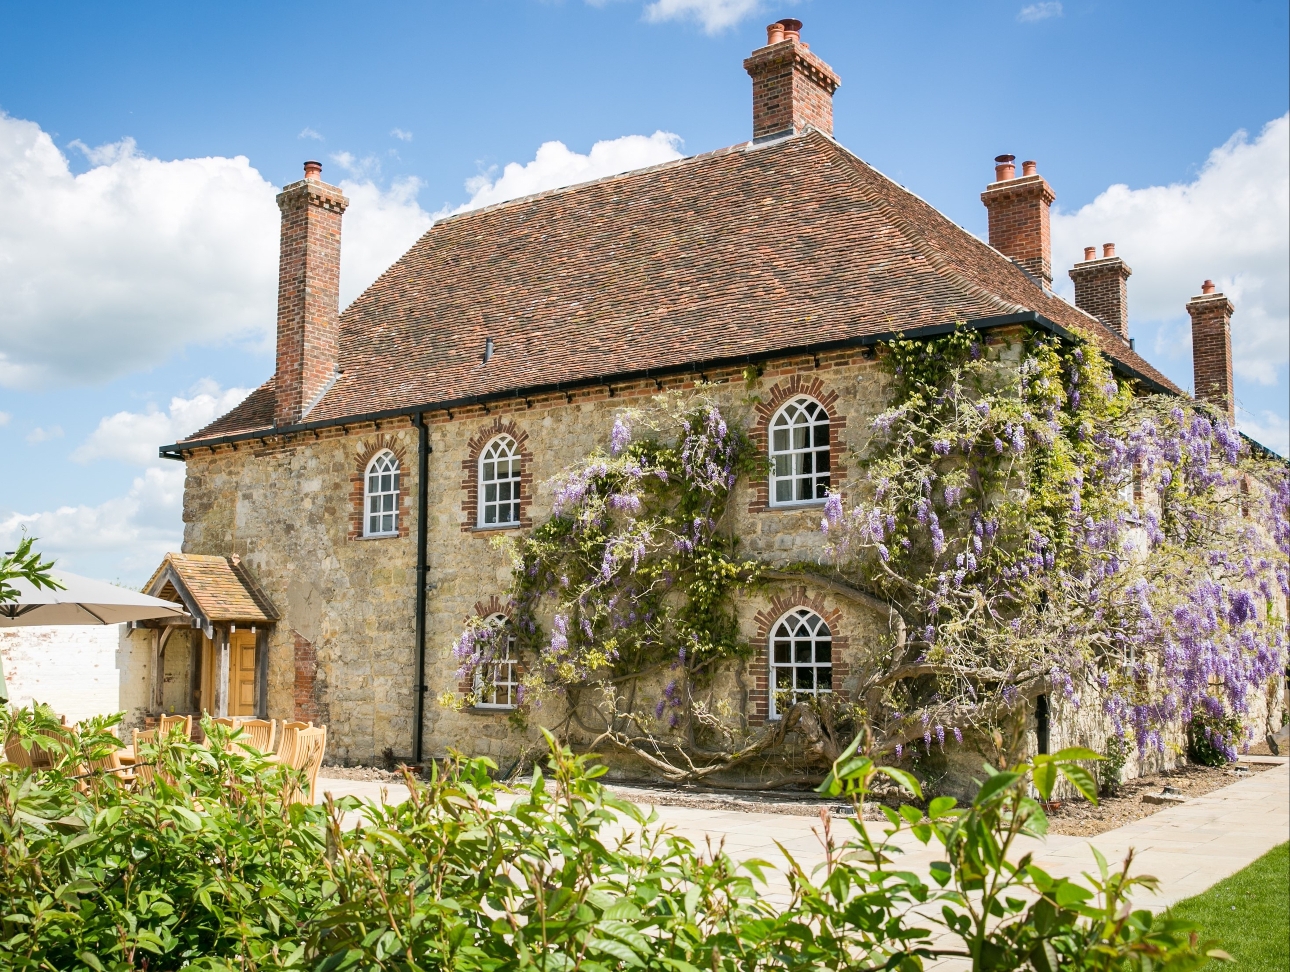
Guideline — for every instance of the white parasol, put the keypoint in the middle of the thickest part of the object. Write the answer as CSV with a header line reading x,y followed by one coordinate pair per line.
x,y
82,601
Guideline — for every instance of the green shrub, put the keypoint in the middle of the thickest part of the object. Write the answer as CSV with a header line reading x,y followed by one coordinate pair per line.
x,y
1211,740
1114,757
208,868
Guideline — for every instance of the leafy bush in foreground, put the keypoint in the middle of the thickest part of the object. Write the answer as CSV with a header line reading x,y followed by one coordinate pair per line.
x,y
208,868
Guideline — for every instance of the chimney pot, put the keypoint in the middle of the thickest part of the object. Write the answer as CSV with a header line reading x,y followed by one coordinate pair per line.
x,y
1004,168
1207,287
1029,168
1108,250
313,170
1090,253
792,87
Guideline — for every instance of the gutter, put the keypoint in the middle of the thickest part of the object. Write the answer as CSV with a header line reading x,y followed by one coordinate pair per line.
x,y
176,450
423,488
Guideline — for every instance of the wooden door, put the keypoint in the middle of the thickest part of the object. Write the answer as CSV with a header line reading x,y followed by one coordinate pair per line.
x,y
206,703
241,673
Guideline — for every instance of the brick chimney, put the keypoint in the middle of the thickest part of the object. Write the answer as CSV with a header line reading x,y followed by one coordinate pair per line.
x,y
1211,348
308,293
1101,288
1018,210
792,88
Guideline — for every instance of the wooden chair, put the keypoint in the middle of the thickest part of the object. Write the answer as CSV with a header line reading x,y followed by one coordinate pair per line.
x,y
16,754
310,746
167,723
287,740
258,734
113,769
143,771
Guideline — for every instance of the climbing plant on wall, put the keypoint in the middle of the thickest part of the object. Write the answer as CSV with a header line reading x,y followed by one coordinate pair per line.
x,y
1022,521
1040,528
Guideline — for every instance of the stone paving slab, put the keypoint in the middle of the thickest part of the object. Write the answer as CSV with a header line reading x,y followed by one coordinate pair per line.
x,y
1188,847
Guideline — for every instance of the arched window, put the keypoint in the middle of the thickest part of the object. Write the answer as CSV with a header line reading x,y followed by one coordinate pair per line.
x,y
499,687
381,497
499,483
799,453
801,659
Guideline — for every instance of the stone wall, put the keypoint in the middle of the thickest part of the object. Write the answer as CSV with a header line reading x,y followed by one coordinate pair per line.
x,y
344,651
69,666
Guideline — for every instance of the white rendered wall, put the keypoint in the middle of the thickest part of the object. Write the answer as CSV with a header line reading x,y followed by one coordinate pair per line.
x,y
72,667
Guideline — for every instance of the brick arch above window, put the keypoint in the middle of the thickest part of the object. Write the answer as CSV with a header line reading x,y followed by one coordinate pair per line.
x,y
470,475
784,603
369,448
766,410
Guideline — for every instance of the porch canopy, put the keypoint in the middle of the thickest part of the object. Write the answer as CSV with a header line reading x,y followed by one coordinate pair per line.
x,y
220,598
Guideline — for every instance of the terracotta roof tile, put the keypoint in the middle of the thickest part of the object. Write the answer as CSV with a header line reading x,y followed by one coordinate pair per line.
x,y
222,588
740,252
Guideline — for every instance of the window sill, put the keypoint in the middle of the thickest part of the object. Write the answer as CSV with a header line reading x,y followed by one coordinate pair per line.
x,y
493,527
380,536
800,505
485,710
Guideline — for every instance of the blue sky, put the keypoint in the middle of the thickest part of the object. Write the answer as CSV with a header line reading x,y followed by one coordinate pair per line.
x,y
420,107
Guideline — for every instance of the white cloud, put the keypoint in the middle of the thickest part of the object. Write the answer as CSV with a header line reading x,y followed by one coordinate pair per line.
x,y
1266,428
401,135
4,418
133,437
1034,12
309,133
40,434
113,270
380,225
368,167
713,15
127,535
555,165
1230,224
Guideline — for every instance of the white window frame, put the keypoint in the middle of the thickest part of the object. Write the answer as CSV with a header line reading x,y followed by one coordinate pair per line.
x,y
382,496
489,455
798,456
506,666
818,636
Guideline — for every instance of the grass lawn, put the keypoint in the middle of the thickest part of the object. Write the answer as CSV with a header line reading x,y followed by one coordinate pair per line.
x,y
1249,913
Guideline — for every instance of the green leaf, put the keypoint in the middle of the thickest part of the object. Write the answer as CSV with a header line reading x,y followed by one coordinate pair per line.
x,y
941,806
1076,752
618,950
1082,779
1069,895
912,814
1045,776
941,872
92,960
992,786
907,780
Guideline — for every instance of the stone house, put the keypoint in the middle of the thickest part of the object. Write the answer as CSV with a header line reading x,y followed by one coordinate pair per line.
x,y
345,509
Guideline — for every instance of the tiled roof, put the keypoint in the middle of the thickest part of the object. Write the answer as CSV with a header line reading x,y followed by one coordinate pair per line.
x,y
221,588
740,252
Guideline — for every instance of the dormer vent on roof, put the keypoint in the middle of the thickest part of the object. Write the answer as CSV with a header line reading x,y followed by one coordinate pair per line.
x,y
792,88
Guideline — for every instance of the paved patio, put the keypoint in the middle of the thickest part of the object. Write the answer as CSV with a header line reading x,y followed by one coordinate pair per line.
x,y
1188,847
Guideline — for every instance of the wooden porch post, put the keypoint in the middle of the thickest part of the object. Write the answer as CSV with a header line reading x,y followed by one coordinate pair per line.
x,y
262,673
221,672
154,674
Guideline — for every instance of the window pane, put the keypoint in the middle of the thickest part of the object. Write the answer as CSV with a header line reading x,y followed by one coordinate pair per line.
x,y
821,435
782,652
824,678
780,440
490,470
804,463
805,678
824,651
802,649
822,487
804,491
396,482
801,437
783,490
490,493
490,514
